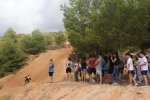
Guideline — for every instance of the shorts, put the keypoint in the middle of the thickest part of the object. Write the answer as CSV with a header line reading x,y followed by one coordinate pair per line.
x,y
51,73
144,72
130,72
83,69
68,70
92,70
120,71
110,70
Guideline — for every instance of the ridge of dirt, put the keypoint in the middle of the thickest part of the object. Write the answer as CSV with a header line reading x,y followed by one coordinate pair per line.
x,y
38,70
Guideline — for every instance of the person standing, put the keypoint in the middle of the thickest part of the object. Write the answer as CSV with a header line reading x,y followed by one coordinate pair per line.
x,y
130,69
51,70
111,67
83,70
115,60
76,67
99,69
92,69
68,69
144,67
138,70
148,65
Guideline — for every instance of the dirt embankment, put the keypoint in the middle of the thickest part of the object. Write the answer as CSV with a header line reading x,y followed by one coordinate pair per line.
x,y
41,89
38,70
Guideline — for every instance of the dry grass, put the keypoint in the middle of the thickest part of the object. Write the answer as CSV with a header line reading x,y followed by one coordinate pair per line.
x,y
6,97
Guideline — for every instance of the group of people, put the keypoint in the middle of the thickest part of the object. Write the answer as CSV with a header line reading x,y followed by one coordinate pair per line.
x,y
138,69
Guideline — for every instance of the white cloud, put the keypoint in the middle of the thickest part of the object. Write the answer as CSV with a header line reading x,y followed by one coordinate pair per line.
x,y
26,15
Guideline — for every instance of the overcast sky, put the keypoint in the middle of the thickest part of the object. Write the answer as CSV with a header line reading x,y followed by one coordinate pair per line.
x,y
26,15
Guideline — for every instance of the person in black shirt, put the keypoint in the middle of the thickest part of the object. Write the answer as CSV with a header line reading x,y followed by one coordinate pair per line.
x,y
115,59
111,67
83,69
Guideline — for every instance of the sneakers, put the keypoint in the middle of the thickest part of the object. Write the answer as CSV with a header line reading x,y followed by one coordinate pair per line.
x,y
146,85
129,85
135,84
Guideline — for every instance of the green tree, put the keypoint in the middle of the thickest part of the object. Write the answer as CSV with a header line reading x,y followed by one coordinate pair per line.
x,y
34,44
101,25
60,38
11,56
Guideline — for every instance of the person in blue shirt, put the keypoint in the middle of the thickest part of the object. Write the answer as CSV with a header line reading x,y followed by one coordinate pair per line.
x,y
51,70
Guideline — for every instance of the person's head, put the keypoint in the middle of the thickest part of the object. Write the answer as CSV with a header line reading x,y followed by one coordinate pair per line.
x,y
90,55
148,50
142,54
69,59
51,60
77,61
100,55
128,55
116,55
83,59
109,52
87,58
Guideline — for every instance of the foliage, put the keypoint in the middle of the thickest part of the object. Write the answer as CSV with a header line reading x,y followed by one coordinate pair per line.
x,y
60,37
11,56
102,25
35,43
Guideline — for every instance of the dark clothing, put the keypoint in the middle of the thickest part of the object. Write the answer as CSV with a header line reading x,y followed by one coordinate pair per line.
x,y
144,72
27,80
130,72
116,62
92,70
76,76
68,70
51,73
111,66
83,65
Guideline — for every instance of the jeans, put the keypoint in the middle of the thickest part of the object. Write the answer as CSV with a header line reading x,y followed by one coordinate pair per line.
x,y
115,74
76,76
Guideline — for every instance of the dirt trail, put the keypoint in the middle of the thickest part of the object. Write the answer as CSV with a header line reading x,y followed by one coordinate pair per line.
x,y
38,70
41,89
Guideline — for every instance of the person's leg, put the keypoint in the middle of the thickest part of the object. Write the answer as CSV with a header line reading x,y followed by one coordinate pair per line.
x,y
113,75
100,77
82,75
66,76
130,78
69,76
145,80
90,78
116,73
75,76
52,79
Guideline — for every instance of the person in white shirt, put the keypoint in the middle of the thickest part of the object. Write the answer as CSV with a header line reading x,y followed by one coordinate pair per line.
x,y
144,67
130,69
76,70
148,74
68,69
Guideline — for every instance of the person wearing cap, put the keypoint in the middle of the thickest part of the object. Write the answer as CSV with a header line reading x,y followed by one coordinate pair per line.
x,y
130,70
51,70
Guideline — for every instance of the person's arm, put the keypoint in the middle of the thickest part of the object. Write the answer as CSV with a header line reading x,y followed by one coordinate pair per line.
x,y
114,60
145,62
52,65
149,60
140,65
128,66
97,61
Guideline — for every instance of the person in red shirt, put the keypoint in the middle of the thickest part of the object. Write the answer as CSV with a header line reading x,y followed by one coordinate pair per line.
x,y
92,65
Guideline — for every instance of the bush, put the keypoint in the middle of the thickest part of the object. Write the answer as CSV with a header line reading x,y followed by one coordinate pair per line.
x,y
11,57
34,44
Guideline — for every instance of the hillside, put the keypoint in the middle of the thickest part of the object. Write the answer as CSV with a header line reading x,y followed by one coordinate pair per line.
x,y
41,89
